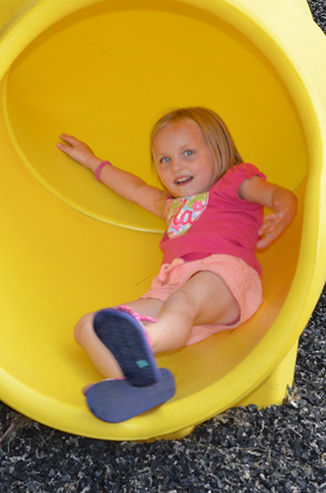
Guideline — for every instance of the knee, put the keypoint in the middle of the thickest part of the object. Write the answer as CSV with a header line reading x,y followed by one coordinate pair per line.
x,y
185,301
84,328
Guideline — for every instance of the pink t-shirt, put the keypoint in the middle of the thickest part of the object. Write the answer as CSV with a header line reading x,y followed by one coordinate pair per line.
x,y
217,221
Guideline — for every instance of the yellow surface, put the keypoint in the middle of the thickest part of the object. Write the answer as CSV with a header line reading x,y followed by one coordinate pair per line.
x,y
105,71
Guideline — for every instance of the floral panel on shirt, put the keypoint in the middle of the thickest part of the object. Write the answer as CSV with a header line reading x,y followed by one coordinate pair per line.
x,y
183,212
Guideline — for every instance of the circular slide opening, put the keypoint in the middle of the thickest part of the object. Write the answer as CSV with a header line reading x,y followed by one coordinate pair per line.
x,y
106,73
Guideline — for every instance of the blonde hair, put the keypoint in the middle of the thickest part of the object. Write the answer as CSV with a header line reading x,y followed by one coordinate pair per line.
x,y
214,132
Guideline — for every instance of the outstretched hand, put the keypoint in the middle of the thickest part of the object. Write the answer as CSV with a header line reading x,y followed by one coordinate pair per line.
x,y
274,225
79,151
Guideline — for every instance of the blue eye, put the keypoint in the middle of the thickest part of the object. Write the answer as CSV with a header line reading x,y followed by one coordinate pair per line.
x,y
188,153
165,160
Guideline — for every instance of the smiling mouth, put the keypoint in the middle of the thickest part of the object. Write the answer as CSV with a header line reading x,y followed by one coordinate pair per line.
x,y
184,180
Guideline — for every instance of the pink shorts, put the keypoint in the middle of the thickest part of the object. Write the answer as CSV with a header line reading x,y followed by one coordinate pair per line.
x,y
242,280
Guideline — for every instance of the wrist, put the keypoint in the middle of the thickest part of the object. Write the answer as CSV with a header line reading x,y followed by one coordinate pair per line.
x,y
93,163
99,168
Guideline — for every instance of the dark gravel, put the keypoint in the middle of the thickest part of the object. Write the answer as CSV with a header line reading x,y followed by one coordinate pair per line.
x,y
281,449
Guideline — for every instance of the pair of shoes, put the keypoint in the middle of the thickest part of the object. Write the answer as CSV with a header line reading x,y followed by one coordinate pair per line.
x,y
145,386
115,401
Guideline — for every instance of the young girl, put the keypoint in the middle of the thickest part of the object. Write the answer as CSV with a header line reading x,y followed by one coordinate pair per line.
x,y
209,279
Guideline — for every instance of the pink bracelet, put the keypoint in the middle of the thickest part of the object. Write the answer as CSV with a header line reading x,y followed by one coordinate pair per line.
x,y
98,170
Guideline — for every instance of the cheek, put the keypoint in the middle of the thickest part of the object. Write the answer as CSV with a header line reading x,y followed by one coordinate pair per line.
x,y
162,174
214,170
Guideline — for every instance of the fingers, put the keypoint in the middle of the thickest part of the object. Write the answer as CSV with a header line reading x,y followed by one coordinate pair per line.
x,y
281,207
77,150
274,225
271,222
268,232
69,139
67,148
63,147
264,242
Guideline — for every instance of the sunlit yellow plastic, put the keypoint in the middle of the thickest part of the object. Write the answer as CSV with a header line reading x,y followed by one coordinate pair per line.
x,y
105,71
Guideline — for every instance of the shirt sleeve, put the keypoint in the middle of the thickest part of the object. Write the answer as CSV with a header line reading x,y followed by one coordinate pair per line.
x,y
232,179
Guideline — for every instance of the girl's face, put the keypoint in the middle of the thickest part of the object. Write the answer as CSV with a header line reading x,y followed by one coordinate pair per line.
x,y
183,159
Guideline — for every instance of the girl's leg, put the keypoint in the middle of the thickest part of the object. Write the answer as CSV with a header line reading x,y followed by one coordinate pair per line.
x,y
98,353
205,298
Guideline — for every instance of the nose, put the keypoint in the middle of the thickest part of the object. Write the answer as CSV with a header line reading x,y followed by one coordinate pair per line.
x,y
177,164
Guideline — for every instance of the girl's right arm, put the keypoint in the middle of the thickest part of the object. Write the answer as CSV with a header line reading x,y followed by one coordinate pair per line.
x,y
125,184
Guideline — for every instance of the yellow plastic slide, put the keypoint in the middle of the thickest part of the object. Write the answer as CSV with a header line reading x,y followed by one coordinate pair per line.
x,y
105,71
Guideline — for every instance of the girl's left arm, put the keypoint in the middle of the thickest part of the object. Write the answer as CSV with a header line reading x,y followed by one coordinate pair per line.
x,y
282,201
